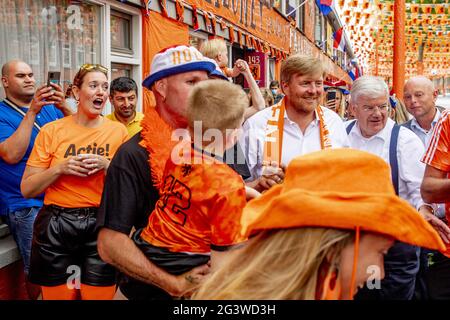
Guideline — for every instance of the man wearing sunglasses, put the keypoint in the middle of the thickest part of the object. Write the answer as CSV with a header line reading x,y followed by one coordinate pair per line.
x,y
373,131
22,113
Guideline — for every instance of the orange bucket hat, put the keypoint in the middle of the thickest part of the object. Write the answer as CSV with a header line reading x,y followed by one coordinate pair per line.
x,y
341,189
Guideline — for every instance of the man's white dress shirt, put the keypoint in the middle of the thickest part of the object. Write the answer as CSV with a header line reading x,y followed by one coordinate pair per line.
x,y
295,143
409,152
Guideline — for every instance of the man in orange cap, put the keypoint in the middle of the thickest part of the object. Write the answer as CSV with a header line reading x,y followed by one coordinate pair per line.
x,y
374,132
321,233
436,188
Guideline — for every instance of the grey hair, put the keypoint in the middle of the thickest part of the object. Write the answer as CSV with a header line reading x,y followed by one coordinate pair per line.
x,y
368,86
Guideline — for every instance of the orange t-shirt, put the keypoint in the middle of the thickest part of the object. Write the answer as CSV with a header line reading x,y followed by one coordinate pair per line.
x,y
438,153
64,138
200,206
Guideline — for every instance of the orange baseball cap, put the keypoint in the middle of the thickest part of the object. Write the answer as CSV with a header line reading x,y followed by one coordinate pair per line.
x,y
341,189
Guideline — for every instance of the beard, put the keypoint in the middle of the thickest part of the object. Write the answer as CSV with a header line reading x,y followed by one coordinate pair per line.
x,y
304,107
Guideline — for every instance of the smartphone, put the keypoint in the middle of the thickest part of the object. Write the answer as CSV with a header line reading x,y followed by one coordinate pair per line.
x,y
331,95
53,77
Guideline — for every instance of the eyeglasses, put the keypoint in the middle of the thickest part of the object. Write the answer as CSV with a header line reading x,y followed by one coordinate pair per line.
x,y
371,109
89,67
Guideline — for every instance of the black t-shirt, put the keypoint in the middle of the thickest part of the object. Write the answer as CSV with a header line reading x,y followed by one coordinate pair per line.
x,y
129,195
236,160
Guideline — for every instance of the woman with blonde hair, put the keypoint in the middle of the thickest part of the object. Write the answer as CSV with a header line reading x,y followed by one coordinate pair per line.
x,y
68,162
321,233
268,96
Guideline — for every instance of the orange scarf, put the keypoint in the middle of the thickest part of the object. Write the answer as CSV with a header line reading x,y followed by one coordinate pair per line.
x,y
156,138
273,143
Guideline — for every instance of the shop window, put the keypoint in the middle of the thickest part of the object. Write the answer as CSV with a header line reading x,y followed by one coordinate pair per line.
x,y
301,17
53,56
125,46
272,75
299,14
121,70
67,55
80,55
290,6
121,26
47,34
277,4
319,26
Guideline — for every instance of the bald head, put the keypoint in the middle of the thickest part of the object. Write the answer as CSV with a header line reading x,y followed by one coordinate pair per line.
x,y
420,97
12,65
420,81
18,81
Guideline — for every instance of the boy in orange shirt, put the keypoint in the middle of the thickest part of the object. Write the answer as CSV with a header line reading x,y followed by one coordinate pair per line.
x,y
198,215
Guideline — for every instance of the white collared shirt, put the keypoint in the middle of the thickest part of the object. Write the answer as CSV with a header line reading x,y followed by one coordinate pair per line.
x,y
423,134
409,152
425,137
295,143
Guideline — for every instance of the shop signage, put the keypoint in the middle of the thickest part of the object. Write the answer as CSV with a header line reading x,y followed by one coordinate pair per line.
x,y
256,16
257,63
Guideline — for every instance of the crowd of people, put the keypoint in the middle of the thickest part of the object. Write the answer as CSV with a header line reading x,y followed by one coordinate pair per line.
x,y
217,194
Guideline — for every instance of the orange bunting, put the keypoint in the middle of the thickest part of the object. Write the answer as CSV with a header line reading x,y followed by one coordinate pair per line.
x,y
162,4
231,31
179,7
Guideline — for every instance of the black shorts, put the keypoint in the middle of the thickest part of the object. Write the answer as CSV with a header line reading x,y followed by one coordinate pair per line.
x,y
172,262
65,245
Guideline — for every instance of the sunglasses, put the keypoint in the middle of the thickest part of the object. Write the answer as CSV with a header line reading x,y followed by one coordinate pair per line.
x,y
89,67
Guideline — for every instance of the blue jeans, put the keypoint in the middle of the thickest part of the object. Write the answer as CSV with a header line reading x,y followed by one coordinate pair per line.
x,y
20,223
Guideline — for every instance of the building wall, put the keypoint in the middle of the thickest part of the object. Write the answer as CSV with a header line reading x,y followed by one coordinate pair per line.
x,y
61,35
274,24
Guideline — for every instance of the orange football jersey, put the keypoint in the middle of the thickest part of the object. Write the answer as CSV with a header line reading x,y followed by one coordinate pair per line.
x,y
200,205
438,153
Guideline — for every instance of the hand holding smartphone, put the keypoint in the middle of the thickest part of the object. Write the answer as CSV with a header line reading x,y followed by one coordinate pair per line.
x,y
331,95
53,77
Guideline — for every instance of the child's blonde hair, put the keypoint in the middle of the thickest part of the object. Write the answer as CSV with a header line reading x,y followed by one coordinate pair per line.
x,y
212,48
217,104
